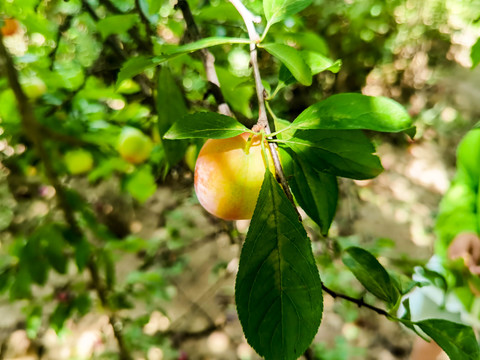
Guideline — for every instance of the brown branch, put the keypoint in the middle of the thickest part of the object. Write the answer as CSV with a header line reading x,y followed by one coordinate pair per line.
x,y
33,131
207,58
359,302
262,122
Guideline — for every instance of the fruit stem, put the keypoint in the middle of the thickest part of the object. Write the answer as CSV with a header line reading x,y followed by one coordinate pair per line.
x,y
264,151
248,144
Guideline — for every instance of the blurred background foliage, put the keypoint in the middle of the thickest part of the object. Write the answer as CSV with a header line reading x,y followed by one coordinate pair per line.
x,y
143,239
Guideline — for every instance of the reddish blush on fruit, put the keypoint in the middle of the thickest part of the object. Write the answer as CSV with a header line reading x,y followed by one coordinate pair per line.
x,y
228,176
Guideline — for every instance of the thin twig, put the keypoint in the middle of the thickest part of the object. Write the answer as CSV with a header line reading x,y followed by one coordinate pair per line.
x,y
32,129
359,302
262,122
207,58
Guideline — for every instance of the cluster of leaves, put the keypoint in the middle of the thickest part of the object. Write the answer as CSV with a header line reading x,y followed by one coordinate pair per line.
x,y
108,64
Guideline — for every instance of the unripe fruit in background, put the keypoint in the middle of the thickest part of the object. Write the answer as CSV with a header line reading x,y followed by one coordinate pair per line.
x,y
228,176
34,87
10,27
134,146
78,161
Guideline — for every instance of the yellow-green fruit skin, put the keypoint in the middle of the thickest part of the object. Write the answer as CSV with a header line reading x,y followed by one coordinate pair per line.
x,y
228,179
134,146
78,161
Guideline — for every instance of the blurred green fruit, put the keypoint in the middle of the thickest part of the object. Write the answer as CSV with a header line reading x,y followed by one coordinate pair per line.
x,y
134,146
191,156
78,161
34,87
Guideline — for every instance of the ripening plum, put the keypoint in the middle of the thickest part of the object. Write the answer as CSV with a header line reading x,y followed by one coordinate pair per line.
x,y
229,175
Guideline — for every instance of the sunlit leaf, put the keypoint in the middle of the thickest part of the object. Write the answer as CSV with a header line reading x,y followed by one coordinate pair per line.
x,y
355,111
292,59
277,10
137,65
208,125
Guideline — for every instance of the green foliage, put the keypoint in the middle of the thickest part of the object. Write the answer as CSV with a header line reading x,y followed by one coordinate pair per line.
x,y
292,59
371,274
205,125
457,340
315,191
170,107
355,111
338,152
278,10
92,70
278,289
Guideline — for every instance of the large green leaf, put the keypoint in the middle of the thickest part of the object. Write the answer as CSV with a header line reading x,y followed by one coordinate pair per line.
x,y
475,54
208,125
278,289
355,111
292,59
139,64
170,106
277,10
347,153
371,274
457,340
315,191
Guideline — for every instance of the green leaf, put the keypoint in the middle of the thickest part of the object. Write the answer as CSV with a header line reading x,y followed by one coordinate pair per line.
x,y
277,10
317,63
116,24
54,245
315,191
208,125
141,184
278,288
82,253
202,44
355,111
135,66
475,54
32,257
59,316
236,91
21,286
457,340
338,152
371,274
170,107
292,59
